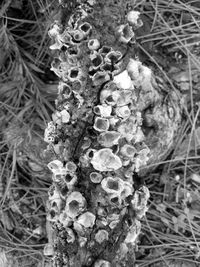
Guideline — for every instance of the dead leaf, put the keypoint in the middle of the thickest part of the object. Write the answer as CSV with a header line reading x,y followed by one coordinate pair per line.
x,y
6,221
3,259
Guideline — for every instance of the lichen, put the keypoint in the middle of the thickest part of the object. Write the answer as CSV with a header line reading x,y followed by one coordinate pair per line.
x,y
101,236
105,160
75,204
97,134
87,219
96,177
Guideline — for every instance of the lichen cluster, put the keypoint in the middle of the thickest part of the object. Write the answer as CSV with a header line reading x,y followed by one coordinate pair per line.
x,y
96,135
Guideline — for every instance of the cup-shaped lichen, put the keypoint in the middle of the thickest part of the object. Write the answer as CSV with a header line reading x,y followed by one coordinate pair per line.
x,y
98,134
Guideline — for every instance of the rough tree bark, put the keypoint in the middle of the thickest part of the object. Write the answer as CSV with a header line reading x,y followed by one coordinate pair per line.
x,y
112,118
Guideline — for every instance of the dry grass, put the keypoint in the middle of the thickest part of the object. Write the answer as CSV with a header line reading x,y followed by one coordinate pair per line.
x,y
26,102
171,229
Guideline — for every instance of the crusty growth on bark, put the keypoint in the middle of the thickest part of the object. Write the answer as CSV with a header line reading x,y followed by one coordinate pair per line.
x,y
110,121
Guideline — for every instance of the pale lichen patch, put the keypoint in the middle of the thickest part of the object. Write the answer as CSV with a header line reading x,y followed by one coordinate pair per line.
x,y
105,160
123,80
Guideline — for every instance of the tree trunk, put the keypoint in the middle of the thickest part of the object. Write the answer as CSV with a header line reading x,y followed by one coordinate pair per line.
x,y
113,117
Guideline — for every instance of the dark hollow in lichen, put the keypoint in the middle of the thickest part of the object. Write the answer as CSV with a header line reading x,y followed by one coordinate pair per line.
x,y
113,185
74,206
